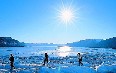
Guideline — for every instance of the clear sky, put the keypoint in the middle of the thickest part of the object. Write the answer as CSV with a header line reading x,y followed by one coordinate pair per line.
x,y
37,20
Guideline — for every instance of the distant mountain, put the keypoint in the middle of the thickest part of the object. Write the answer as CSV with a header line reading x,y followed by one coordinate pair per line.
x,y
85,43
96,43
9,42
108,43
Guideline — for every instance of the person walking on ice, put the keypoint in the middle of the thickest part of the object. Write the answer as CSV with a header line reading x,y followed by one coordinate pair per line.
x,y
11,61
46,58
80,59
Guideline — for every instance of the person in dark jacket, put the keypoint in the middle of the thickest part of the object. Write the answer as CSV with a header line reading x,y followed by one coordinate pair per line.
x,y
11,61
46,58
80,59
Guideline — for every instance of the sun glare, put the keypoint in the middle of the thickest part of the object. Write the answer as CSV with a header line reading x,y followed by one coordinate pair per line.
x,y
64,51
66,14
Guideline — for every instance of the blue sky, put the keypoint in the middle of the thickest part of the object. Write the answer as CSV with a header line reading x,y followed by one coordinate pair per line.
x,y
37,20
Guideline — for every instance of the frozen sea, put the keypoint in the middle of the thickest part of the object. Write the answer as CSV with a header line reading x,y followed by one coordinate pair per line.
x,y
61,59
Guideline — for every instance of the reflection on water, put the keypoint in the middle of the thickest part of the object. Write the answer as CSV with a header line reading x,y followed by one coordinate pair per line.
x,y
63,54
64,51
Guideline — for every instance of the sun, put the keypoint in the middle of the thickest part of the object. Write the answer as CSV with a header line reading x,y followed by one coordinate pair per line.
x,y
66,14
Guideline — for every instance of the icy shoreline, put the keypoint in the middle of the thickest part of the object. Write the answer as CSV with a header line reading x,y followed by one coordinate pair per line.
x,y
30,60
67,64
